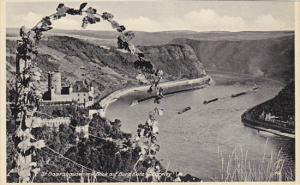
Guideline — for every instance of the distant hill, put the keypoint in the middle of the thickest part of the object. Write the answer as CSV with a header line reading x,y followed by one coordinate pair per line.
x,y
267,57
164,37
83,54
108,67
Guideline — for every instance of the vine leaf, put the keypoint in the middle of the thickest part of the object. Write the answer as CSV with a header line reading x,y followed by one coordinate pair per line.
x,y
114,24
22,31
121,28
90,18
82,6
107,16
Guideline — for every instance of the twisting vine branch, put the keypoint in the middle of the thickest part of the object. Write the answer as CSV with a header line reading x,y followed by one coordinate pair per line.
x,y
27,95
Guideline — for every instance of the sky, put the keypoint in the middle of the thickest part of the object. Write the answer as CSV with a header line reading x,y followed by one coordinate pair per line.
x,y
164,15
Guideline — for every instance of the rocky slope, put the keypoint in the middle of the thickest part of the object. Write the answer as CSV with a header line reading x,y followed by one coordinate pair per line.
x,y
82,54
108,67
269,57
283,104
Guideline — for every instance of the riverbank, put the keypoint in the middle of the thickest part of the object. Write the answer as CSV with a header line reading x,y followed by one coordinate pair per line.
x,y
198,133
276,115
249,121
169,87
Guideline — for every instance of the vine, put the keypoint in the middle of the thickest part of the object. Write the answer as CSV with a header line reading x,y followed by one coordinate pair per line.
x,y
27,94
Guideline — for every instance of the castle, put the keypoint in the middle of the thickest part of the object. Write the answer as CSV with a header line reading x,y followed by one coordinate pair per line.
x,y
81,92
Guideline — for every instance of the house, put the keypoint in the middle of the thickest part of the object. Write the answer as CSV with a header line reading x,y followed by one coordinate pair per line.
x,y
99,112
270,117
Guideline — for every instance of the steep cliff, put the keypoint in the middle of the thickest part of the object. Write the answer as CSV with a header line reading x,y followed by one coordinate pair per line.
x,y
271,57
176,60
108,67
81,54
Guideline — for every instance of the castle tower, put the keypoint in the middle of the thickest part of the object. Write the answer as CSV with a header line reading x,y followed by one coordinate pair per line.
x,y
49,81
54,82
91,90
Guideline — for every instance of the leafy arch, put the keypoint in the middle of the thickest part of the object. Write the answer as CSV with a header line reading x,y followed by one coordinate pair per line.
x,y
27,96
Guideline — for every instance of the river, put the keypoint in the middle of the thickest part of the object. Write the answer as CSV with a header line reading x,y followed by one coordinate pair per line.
x,y
190,142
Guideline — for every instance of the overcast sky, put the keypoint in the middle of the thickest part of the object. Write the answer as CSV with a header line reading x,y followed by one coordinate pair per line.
x,y
165,15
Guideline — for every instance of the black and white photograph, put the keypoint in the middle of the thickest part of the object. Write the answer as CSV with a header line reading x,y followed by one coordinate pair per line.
x,y
149,91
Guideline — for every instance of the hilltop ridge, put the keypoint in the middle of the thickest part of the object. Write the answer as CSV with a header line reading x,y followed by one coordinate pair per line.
x,y
181,54
108,67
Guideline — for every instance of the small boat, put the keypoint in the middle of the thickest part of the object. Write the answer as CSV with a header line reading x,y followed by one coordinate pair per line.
x,y
209,101
238,94
184,110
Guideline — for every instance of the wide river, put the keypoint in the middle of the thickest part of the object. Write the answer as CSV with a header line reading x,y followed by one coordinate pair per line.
x,y
190,142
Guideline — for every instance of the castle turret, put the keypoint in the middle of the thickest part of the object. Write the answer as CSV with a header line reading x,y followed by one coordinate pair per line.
x,y
49,81
91,93
91,89
52,94
54,82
